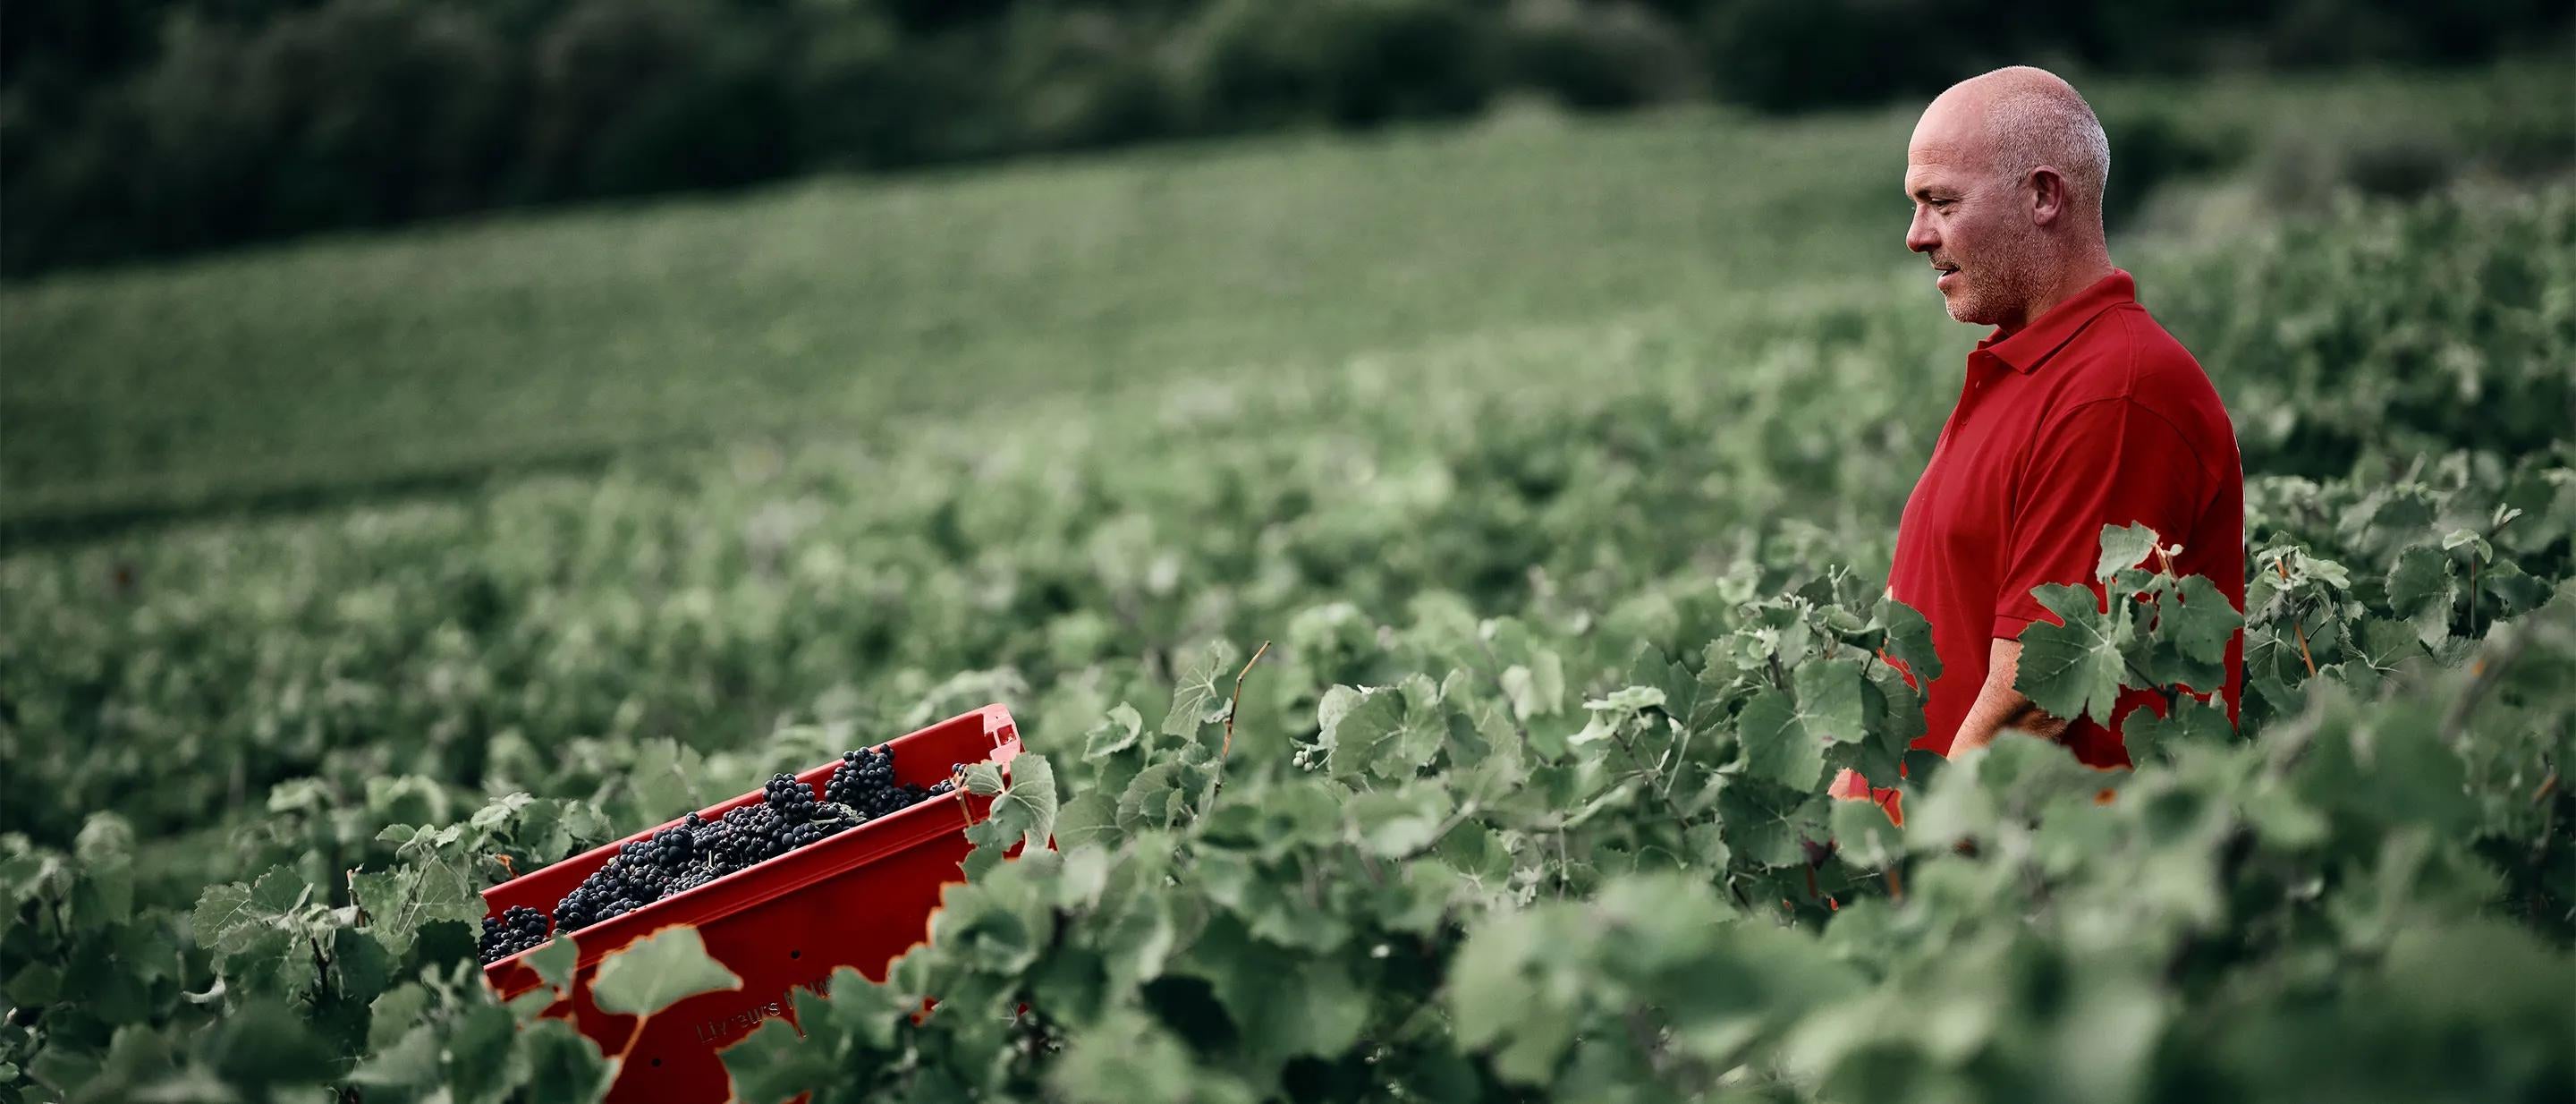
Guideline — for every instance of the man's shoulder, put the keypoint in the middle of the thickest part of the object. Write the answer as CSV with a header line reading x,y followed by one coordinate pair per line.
x,y
2126,346
2131,357
2154,347
2127,354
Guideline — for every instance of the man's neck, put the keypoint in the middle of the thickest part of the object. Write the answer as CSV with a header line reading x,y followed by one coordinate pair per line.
x,y
2070,280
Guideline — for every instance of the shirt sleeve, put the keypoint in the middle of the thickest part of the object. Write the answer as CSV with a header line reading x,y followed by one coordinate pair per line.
x,y
2107,462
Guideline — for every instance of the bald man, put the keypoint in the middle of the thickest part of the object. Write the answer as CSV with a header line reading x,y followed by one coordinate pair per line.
x,y
2077,411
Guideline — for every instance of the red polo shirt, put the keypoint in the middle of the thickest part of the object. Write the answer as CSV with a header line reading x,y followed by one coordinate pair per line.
x,y
2091,415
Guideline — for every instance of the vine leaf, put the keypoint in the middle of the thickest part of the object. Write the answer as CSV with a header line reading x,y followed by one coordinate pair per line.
x,y
2124,547
659,971
1770,826
2202,623
411,1062
1777,746
1380,731
1115,733
1197,699
231,917
2190,721
773,1064
563,1065
1126,1057
2422,589
2073,669
554,962
1091,817
1829,699
1023,814
1909,640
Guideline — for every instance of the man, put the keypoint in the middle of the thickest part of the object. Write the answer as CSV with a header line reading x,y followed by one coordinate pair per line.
x,y
2078,411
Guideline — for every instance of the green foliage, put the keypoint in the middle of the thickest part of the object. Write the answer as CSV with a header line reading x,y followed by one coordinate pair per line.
x,y
2459,342
2166,632
2047,946
1525,799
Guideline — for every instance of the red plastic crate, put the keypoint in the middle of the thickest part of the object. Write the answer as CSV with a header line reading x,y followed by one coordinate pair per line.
x,y
859,899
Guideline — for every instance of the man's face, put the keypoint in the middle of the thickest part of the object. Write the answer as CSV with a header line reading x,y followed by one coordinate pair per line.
x,y
1971,221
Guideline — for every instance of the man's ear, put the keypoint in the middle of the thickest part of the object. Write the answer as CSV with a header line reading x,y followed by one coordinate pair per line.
x,y
2047,195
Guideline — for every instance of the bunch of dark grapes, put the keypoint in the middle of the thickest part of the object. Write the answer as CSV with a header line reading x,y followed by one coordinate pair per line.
x,y
630,880
861,773
641,867
864,783
519,929
751,834
793,800
674,850
579,909
816,831
696,851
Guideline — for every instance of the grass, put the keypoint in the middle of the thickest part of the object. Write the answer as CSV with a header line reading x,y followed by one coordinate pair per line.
x,y
828,307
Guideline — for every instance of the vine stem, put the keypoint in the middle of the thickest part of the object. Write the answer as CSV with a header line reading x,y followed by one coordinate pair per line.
x,y
2299,630
1639,765
1464,813
957,783
1680,820
1236,705
321,964
2476,561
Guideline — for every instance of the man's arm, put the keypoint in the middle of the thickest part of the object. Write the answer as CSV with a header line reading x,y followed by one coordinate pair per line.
x,y
1999,706
2105,462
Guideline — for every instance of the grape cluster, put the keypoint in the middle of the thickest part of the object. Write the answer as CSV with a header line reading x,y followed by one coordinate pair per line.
x,y
864,782
696,851
861,773
675,847
794,800
519,929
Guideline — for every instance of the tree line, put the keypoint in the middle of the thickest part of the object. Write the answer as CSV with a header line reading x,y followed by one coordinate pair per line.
x,y
142,128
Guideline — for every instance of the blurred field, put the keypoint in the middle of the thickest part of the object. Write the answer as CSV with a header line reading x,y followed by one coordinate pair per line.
x,y
1511,423
832,306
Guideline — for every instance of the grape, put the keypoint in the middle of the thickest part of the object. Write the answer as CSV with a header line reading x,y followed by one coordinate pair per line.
x,y
518,929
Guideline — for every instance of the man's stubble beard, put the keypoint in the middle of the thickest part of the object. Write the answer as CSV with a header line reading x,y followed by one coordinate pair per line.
x,y
2006,284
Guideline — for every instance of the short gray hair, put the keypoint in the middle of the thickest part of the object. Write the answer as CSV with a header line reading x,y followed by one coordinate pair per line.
x,y
2046,122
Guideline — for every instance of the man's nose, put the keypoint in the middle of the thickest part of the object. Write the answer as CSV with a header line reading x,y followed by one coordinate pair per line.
x,y
1919,236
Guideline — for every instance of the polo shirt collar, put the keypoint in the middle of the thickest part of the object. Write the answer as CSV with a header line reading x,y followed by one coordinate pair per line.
x,y
2028,348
